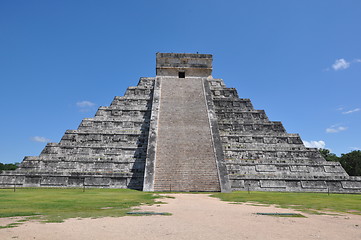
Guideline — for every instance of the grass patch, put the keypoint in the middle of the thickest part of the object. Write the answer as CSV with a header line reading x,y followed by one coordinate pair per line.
x,y
148,213
314,203
293,215
56,205
11,225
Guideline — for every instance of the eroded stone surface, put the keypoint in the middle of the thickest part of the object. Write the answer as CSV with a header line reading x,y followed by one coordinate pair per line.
x,y
185,158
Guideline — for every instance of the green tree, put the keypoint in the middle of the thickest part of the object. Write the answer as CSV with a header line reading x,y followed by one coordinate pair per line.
x,y
8,166
351,162
328,155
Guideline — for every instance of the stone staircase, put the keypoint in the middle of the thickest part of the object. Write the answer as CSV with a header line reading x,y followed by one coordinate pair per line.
x,y
185,159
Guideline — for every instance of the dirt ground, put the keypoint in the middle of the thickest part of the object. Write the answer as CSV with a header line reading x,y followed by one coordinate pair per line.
x,y
195,216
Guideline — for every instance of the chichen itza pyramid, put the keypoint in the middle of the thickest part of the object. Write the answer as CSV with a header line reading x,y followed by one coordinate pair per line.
x,y
182,130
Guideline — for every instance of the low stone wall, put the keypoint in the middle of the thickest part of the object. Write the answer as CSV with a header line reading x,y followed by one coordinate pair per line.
x,y
352,185
89,180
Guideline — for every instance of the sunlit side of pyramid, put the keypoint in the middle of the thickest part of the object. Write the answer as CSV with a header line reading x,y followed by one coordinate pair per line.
x,y
184,131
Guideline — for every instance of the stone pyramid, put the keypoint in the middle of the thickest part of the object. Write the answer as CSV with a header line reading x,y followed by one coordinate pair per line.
x,y
182,130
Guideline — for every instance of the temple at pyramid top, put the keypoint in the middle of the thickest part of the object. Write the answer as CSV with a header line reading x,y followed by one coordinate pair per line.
x,y
182,130
184,65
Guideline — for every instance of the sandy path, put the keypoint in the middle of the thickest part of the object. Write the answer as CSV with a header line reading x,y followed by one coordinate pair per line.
x,y
196,216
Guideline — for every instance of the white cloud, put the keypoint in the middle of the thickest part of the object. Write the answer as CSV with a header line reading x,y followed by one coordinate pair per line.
x,y
340,64
340,108
314,144
351,111
335,129
84,104
40,139
355,148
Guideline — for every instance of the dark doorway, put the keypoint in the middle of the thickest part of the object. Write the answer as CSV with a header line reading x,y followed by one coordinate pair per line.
x,y
181,74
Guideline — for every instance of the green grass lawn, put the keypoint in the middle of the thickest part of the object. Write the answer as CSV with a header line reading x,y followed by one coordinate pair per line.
x,y
305,202
55,205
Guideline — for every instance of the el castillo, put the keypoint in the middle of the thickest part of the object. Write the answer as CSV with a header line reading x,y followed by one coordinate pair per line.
x,y
182,131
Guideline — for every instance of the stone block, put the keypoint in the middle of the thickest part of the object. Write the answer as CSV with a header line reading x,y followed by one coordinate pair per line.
x,y
7,180
54,181
97,181
299,168
314,184
32,181
76,181
273,184
266,168
334,169
351,184
237,184
118,182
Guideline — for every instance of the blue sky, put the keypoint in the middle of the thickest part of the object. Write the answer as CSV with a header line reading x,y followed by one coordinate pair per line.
x,y
300,61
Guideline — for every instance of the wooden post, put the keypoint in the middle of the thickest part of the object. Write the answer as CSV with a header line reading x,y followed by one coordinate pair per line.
x,y
15,184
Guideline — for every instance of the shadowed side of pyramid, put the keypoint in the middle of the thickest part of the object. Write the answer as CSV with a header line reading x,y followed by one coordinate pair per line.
x,y
108,150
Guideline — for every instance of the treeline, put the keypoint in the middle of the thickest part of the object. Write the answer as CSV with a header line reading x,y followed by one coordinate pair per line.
x,y
351,161
8,166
